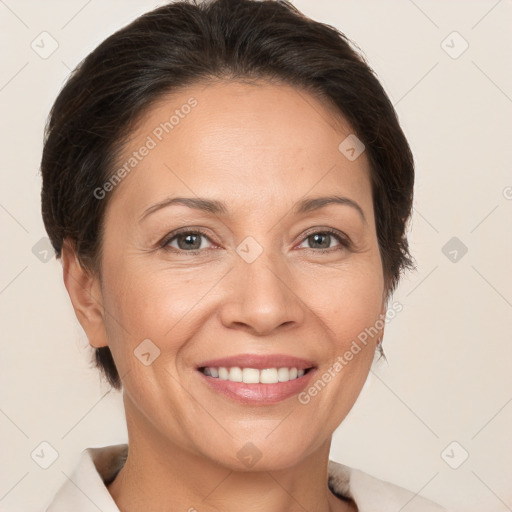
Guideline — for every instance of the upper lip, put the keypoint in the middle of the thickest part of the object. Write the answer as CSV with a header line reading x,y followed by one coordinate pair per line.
x,y
259,362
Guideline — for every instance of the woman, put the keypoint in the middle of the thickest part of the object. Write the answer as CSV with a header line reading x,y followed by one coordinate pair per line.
x,y
228,188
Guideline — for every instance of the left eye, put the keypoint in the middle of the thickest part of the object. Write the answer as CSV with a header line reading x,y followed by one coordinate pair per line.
x,y
323,240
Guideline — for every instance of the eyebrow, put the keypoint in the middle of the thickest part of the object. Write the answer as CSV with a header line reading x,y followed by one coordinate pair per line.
x,y
216,207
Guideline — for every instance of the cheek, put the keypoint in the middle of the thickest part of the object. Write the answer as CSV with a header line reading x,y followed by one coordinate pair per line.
x,y
148,322
144,302
349,301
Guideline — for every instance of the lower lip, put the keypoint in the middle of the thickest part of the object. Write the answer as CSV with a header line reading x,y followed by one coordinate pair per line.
x,y
258,394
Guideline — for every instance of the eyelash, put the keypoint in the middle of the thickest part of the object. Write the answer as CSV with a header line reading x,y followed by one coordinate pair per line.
x,y
340,237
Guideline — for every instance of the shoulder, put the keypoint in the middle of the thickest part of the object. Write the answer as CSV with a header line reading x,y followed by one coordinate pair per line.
x,y
374,495
85,490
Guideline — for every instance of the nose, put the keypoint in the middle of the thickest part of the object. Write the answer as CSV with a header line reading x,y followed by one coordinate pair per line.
x,y
261,297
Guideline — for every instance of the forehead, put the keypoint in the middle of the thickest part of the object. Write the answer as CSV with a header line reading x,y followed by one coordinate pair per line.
x,y
247,143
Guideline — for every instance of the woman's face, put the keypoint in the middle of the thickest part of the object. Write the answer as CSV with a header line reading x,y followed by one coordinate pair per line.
x,y
261,278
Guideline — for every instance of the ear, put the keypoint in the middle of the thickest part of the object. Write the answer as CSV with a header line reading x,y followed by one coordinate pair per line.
x,y
85,293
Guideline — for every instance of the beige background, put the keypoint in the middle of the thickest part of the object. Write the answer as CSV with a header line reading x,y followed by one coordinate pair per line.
x,y
448,376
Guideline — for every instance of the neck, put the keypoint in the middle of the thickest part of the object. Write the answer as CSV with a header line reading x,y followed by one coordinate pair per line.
x,y
161,476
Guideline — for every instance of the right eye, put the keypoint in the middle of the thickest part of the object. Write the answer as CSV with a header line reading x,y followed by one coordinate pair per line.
x,y
187,241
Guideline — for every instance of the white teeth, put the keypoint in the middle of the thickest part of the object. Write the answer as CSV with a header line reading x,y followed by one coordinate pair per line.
x,y
283,375
269,376
235,374
253,375
250,375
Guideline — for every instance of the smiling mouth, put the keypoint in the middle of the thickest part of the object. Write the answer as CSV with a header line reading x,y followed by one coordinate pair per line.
x,y
254,375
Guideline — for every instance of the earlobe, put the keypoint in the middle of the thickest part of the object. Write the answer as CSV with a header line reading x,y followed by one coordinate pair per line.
x,y
85,293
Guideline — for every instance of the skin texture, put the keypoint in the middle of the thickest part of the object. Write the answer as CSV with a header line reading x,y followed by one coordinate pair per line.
x,y
260,149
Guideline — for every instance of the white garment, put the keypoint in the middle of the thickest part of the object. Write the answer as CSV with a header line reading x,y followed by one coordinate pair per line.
x,y
87,491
